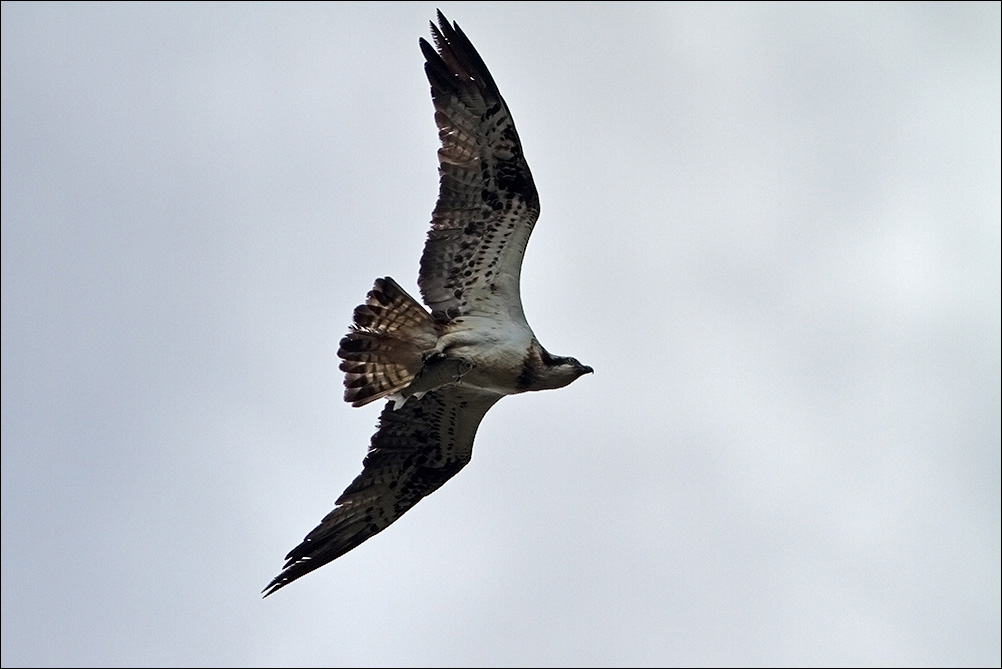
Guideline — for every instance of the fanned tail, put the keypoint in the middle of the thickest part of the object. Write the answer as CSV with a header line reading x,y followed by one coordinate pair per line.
x,y
383,350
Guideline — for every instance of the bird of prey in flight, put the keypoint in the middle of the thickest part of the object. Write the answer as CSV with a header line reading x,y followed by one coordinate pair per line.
x,y
443,367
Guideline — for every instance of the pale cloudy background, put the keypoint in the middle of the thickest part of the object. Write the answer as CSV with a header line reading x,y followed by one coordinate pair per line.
x,y
772,229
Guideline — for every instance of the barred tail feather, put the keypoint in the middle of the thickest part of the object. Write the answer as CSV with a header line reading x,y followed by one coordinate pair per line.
x,y
383,349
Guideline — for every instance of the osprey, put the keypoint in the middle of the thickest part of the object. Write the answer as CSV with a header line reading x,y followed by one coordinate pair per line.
x,y
442,370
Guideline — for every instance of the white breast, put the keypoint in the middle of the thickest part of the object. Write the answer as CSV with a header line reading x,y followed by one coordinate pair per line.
x,y
496,348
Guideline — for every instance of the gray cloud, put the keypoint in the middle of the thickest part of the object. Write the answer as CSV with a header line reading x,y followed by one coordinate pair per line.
x,y
773,230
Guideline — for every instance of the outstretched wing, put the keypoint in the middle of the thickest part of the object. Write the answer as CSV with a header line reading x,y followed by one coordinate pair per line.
x,y
416,449
487,202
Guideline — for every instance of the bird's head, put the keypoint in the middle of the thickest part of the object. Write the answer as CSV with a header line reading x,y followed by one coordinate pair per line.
x,y
557,371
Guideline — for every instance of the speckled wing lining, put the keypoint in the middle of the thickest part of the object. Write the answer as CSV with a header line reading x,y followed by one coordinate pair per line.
x,y
414,451
487,203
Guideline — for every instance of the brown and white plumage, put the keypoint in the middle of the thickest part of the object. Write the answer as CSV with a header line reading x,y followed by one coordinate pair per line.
x,y
442,370
383,352
487,204
416,449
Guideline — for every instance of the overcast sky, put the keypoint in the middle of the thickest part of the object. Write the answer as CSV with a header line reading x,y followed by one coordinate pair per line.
x,y
773,230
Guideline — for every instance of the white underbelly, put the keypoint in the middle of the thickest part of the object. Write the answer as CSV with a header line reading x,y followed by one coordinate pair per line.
x,y
496,350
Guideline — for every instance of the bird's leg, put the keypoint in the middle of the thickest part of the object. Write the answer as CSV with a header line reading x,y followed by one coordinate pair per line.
x,y
438,370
